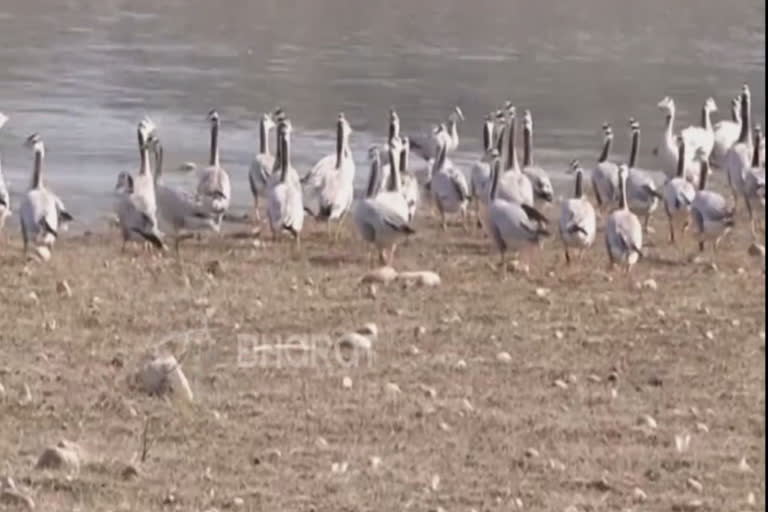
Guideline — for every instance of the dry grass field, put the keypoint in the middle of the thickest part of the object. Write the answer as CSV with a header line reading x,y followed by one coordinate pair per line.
x,y
612,395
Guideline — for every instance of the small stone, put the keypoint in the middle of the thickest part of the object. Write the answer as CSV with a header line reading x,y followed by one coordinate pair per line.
x,y
434,484
735,322
429,391
339,467
682,442
660,313
392,389
518,503
214,268
129,472
614,393
702,427
2,391
639,496
740,271
561,384
461,364
65,455
751,498
414,350
542,292
757,250
32,298
346,383
321,443
613,376
650,284
709,335
162,375
420,331
374,462
556,465
517,266
744,466
695,485
467,405
356,341
63,289
444,426
238,502
503,357
26,395
594,378
532,453
694,504
648,420
451,319
15,498
559,335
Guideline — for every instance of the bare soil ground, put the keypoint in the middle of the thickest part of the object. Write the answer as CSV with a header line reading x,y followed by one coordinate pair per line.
x,y
561,423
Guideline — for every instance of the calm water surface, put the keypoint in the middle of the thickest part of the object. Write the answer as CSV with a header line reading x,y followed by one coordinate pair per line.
x,y
81,73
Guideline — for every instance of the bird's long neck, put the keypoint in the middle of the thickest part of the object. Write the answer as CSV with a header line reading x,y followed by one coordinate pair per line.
x,y
703,172
670,121
440,160
527,146
285,160
681,160
578,191
634,148
606,150
756,150
158,162
339,144
493,191
214,159
745,134
263,135
37,172
511,156
403,161
394,172
143,155
706,119
622,191
453,131
373,178
487,134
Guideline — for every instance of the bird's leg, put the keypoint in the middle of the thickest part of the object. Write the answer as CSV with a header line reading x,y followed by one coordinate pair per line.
x,y
671,230
256,214
567,256
382,256
503,264
645,222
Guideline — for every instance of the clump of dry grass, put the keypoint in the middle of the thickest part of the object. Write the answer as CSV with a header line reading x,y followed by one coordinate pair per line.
x,y
478,394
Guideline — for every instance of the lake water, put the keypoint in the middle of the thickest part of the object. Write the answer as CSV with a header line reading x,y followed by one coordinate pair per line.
x,y
82,73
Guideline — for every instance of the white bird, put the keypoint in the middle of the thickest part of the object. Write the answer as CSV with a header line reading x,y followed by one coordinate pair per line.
x,y
213,187
480,173
667,149
642,193
511,226
542,185
702,136
285,206
41,209
709,211
426,145
377,222
331,181
577,218
411,188
738,159
678,193
392,193
754,181
179,212
5,199
136,207
623,232
513,184
726,133
448,185
605,175
261,167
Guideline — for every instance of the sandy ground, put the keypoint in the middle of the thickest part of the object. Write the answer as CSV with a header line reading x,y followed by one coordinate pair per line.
x,y
613,396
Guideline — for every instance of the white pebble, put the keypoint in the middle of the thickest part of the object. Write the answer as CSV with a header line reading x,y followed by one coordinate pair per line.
x,y
559,335
682,442
638,495
392,389
702,427
542,292
434,484
346,383
561,384
744,466
461,364
650,284
648,420
532,453
709,335
695,485
375,462
503,357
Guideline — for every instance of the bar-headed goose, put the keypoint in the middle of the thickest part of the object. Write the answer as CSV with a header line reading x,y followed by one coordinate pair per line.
x,y
513,184
426,146
511,226
411,188
5,199
330,181
377,222
727,133
623,232
180,213
738,159
754,181
542,185
448,185
213,187
678,193
285,206
667,148
577,217
702,136
642,193
39,216
136,207
709,211
480,173
261,168
605,175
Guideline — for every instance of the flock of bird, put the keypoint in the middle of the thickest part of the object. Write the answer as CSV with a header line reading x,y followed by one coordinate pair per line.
x,y
506,195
